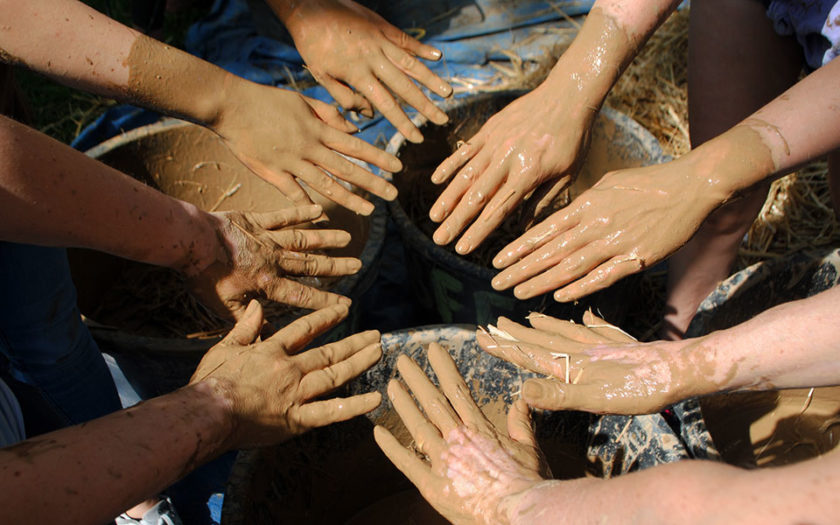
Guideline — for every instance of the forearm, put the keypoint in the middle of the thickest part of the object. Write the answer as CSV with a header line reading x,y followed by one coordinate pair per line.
x,y
79,46
53,195
793,345
90,473
612,34
700,492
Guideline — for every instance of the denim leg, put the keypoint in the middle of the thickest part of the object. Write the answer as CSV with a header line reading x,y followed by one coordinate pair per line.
x,y
43,337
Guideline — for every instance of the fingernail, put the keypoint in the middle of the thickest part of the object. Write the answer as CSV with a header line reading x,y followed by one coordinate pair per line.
x,y
446,89
367,113
440,237
391,193
253,305
355,265
396,166
562,296
367,209
344,304
522,292
436,54
532,390
463,247
441,118
415,136
498,283
315,210
499,262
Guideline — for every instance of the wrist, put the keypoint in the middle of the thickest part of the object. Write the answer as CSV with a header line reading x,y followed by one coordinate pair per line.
x,y
214,400
200,242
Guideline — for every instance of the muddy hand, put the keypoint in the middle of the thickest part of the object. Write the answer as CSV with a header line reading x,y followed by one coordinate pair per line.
x,y
597,367
285,138
270,389
630,220
517,150
361,60
258,251
473,466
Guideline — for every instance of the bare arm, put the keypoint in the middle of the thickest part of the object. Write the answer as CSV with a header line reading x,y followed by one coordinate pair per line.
x,y
278,134
53,195
244,393
542,136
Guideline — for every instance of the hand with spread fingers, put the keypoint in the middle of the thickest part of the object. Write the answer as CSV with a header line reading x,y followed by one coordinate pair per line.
x,y
596,367
363,61
512,155
257,253
474,466
285,138
628,221
270,387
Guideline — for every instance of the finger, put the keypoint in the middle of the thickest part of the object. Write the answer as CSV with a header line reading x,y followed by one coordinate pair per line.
x,y
455,389
524,355
382,100
285,182
307,264
356,175
567,329
359,149
320,382
274,220
323,413
301,331
519,425
395,75
606,330
537,237
333,353
408,64
500,206
471,203
461,156
346,97
599,278
327,186
555,264
405,41
549,394
426,436
330,115
415,469
433,402
299,240
299,295
247,328
557,342
452,195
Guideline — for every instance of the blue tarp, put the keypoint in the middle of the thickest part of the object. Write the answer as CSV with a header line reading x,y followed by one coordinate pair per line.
x,y
471,35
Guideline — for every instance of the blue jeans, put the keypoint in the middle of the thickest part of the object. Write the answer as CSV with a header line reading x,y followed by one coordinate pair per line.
x,y
43,338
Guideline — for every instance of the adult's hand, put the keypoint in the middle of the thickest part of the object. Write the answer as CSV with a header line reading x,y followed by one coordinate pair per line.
x,y
537,138
473,466
287,138
358,57
596,367
258,251
628,221
270,387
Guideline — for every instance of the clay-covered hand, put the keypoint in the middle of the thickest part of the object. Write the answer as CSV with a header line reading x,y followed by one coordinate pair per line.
x,y
286,138
258,251
272,391
628,221
608,371
358,57
472,466
534,140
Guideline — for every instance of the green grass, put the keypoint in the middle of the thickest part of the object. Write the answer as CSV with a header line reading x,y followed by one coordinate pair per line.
x,y
62,112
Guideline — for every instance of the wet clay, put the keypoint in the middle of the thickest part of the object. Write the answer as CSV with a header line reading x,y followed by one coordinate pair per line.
x,y
192,164
774,428
417,194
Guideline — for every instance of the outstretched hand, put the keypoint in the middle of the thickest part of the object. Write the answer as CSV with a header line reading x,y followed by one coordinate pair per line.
x,y
270,387
472,465
358,57
287,138
258,251
519,149
596,367
628,221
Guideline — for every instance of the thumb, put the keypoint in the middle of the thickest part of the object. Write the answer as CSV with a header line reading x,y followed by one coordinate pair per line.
x,y
549,394
248,327
519,424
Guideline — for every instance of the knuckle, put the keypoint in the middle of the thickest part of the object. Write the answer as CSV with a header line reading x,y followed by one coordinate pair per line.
x,y
299,241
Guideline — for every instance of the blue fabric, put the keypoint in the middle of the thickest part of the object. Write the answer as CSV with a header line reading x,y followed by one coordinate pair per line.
x,y
43,337
11,419
805,21
470,37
